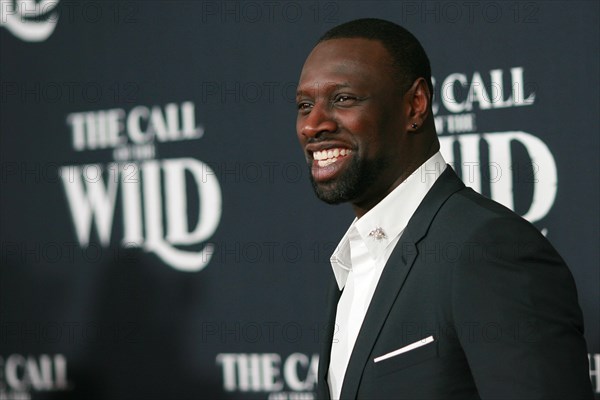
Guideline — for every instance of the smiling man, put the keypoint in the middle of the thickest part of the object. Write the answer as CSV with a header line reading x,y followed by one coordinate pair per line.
x,y
437,292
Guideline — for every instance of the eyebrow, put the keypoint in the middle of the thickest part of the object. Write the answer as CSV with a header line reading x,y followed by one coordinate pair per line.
x,y
327,86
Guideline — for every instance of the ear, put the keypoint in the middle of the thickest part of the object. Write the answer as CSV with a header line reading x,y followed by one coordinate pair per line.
x,y
418,99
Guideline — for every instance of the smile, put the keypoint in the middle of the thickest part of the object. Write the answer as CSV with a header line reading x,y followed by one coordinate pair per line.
x,y
329,163
327,157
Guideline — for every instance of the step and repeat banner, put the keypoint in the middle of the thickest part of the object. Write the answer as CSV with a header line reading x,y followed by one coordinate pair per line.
x,y
159,235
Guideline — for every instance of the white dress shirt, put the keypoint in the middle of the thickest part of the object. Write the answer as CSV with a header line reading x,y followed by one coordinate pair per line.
x,y
360,257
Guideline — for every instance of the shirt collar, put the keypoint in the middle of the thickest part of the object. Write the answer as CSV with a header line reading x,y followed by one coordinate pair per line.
x,y
390,215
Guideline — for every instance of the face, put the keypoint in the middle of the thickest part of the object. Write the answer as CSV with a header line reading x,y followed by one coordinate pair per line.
x,y
352,121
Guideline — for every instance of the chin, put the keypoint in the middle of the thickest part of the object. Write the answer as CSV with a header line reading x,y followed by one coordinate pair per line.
x,y
332,192
330,198
350,185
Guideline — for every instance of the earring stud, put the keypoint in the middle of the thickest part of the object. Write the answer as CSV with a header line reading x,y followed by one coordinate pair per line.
x,y
414,125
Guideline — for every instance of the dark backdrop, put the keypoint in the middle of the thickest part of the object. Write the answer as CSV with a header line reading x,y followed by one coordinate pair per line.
x,y
159,237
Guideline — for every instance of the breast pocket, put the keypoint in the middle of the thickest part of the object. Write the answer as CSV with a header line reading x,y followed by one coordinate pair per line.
x,y
400,359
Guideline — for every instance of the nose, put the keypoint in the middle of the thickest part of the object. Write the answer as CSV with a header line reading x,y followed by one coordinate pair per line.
x,y
318,121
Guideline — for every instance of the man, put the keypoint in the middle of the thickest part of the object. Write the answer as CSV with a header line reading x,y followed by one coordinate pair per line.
x,y
437,292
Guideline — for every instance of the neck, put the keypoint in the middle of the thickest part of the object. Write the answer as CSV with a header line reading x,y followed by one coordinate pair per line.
x,y
362,207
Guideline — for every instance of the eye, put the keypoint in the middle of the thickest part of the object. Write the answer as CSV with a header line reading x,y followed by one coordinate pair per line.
x,y
304,106
345,99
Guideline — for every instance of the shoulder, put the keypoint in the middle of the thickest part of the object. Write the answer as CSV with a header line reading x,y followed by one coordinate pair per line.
x,y
468,214
482,229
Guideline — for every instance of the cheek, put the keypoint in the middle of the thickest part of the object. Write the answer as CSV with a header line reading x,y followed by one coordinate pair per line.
x,y
393,121
366,127
378,139
360,126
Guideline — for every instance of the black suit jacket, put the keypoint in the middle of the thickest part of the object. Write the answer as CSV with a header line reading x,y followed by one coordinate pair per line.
x,y
499,301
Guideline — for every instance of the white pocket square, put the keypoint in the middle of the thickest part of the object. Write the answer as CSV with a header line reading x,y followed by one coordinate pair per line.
x,y
404,349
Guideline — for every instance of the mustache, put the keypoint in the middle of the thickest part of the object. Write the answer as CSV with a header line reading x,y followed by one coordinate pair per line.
x,y
323,137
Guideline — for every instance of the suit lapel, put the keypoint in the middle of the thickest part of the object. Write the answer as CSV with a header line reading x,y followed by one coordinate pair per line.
x,y
393,276
325,350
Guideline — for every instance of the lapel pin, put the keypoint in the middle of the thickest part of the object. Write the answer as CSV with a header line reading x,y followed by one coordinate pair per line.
x,y
378,233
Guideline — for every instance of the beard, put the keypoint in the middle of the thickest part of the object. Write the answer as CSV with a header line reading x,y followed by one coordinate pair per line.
x,y
351,184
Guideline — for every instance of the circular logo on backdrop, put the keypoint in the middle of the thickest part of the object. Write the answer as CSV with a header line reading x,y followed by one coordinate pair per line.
x,y
29,20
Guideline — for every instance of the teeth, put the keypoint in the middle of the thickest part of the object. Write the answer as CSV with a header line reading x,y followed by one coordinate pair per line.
x,y
324,163
329,156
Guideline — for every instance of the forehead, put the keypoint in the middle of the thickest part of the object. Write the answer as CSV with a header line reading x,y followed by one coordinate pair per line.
x,y
347,61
